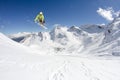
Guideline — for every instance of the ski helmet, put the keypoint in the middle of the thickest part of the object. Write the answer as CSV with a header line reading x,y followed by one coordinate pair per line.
x,y
41,12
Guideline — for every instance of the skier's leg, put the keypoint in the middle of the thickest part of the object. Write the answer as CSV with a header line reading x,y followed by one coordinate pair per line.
x,y
41,22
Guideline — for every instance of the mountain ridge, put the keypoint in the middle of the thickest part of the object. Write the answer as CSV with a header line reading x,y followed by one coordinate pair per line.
x,y
88,38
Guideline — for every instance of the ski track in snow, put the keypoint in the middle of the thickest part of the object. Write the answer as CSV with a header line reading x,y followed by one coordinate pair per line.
x,y
60,72
58,68
82,71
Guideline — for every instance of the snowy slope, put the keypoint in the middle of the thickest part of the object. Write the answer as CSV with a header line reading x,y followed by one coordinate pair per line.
x,y
114,28
91,28
111,42
19,63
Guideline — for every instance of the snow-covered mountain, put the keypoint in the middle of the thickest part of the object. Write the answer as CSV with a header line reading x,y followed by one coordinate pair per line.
x,y
95,39
18,62
93,28
73,40
19,36
111,42
113,30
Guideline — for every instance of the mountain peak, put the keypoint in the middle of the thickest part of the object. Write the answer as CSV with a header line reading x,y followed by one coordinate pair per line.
x,y
74,28
113,30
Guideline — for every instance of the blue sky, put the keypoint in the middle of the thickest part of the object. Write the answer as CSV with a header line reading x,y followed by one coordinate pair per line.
x,y
18,15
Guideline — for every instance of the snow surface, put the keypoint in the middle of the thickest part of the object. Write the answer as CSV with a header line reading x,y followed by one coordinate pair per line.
x,y
18,62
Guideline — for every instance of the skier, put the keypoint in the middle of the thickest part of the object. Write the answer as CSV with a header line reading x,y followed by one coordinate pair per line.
x,y
40,19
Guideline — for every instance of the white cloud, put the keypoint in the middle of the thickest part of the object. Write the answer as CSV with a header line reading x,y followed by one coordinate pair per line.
x,y
106,13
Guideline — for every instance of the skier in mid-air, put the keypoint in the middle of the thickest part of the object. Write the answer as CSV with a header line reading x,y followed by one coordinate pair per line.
x,y
40,19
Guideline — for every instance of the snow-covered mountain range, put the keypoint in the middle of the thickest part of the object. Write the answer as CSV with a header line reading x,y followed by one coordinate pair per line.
x,y
18,62
95,39
73,39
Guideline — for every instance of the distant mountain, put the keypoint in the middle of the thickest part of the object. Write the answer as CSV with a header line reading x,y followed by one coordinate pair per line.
x,y
73,40
95,39
111,42
19,36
